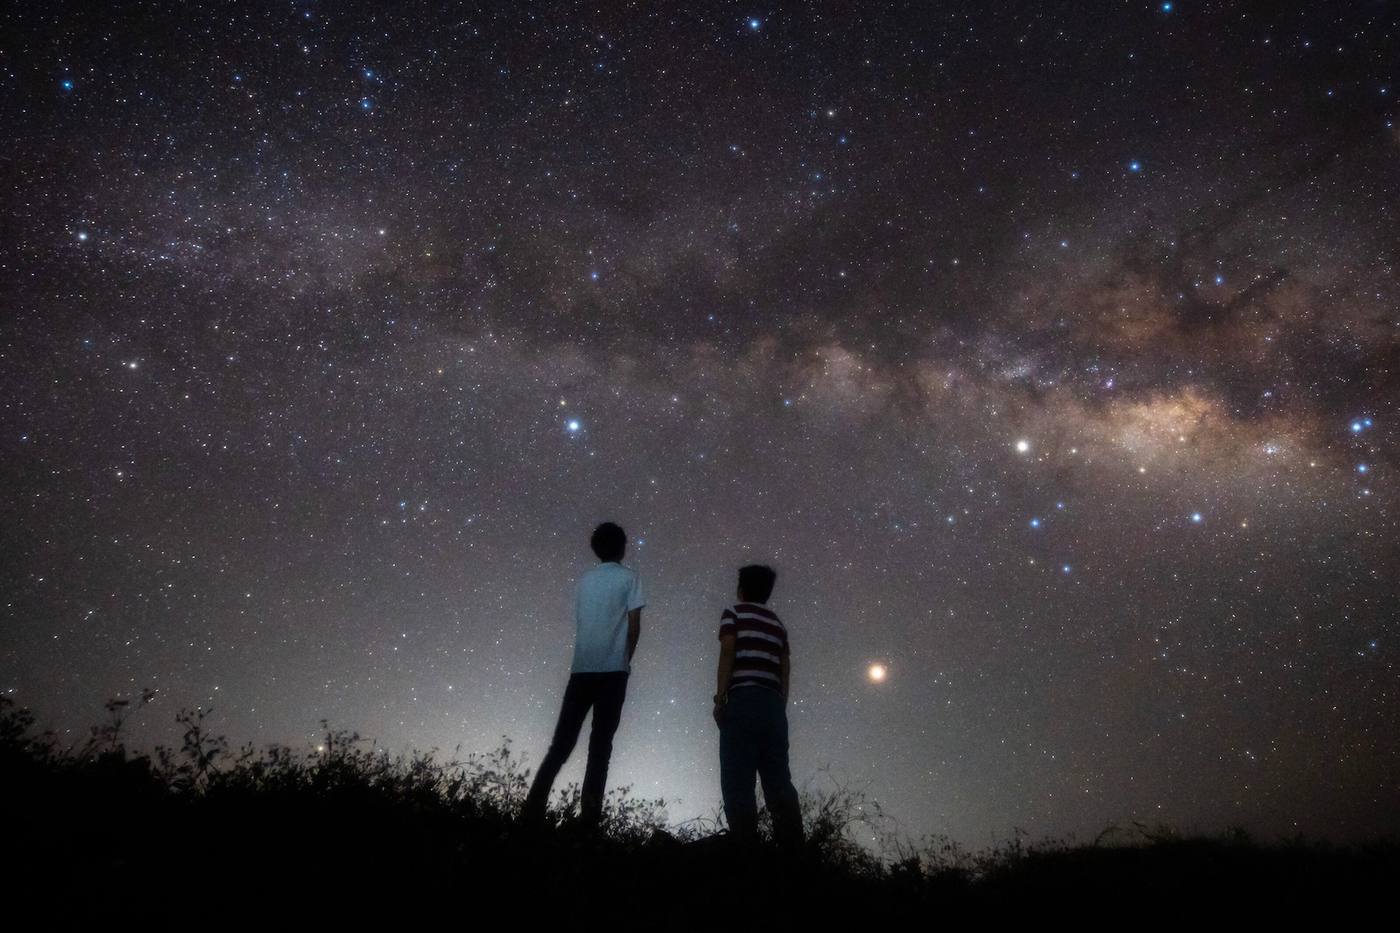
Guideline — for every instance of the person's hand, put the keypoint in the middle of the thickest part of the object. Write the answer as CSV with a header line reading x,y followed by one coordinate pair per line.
x,y
719,715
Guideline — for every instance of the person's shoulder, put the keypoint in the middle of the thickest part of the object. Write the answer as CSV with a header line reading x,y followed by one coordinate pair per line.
x,y
621,571
597,575
615,575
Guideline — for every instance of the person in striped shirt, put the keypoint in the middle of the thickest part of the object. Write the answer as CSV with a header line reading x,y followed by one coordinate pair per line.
x,y
751,712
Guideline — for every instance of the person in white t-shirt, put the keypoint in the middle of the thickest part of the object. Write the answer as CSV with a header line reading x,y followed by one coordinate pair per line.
x,y
608,621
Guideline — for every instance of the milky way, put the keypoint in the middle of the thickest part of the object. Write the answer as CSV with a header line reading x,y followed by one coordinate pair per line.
x,y
1048,351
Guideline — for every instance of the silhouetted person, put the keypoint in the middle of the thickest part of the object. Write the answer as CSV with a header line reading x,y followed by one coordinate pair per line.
x,y
751,711
608,621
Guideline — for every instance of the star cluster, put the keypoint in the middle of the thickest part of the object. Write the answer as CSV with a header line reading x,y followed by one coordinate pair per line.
x,y
1049,352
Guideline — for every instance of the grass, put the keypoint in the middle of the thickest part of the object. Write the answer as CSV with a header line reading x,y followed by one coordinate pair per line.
x,y
209,836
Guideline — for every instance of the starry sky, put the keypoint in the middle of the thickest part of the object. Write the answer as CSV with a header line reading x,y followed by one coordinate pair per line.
x,y
1048,351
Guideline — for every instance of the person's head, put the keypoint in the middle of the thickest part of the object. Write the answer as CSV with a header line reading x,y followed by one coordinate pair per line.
x,y
756,583
609,542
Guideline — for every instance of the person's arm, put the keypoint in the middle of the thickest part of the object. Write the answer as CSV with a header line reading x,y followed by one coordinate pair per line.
x,y
634,632
724,674
786,675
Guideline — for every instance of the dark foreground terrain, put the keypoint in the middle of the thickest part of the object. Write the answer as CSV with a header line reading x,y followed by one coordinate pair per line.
x,y
207,837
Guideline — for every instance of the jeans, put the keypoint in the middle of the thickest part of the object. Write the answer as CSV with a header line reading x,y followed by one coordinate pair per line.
x,y
603,692
753,738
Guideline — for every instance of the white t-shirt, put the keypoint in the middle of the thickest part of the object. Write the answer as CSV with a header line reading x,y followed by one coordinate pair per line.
x,y
602,600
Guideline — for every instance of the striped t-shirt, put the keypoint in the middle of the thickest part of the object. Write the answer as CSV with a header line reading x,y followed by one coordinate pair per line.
x,y
760,644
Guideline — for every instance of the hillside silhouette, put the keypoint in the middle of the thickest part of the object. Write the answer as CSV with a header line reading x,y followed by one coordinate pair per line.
x,y
207,836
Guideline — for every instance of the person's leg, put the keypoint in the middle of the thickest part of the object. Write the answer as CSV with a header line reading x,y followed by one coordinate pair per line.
x,y
774,772
738,760
610,693
571,716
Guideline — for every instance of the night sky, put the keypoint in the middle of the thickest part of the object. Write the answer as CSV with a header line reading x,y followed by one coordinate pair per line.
x,y
1049,351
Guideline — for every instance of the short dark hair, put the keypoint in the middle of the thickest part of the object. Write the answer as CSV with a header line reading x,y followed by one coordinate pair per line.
x,y
756,582
609,541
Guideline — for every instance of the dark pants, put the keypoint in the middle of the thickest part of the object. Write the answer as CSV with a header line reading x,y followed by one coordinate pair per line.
x,y
603,692
754,739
